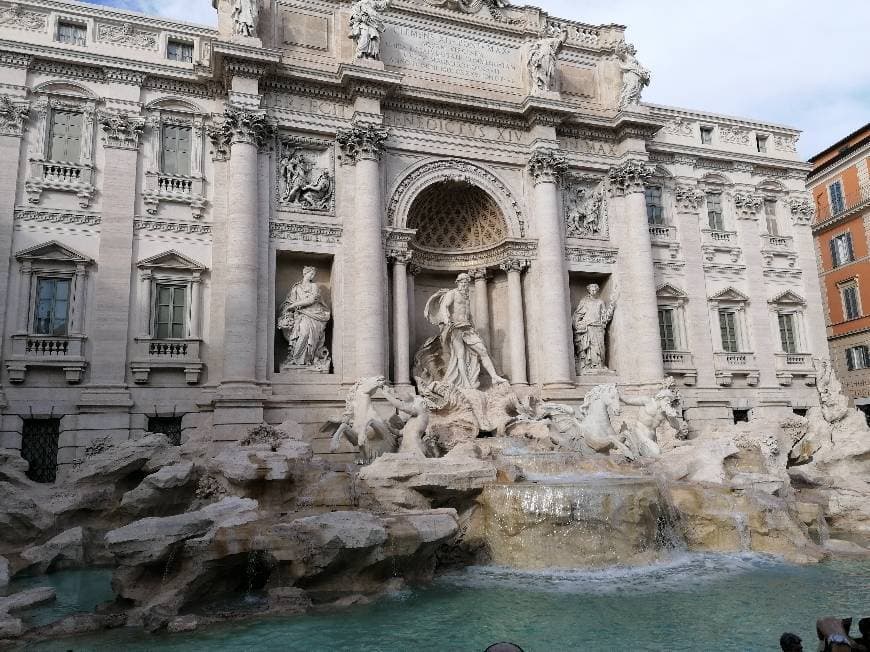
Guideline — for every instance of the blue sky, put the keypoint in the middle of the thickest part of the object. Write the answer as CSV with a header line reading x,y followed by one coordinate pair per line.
x,y
796,62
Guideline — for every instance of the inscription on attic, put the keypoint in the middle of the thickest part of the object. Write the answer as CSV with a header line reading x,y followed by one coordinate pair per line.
x,y
443,54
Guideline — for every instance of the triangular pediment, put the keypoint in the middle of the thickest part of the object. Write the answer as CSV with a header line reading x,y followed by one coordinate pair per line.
x,y
730,294
788,298
668,291
171,260
52,251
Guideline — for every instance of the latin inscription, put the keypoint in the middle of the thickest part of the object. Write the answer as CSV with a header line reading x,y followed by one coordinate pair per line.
x,y
588,146
311,105
451,56
454,127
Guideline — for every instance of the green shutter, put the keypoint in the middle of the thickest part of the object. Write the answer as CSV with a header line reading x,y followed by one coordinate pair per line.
x,y
171,310
66,136
176,150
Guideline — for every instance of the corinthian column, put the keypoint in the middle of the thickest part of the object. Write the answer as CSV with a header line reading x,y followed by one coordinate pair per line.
x,y
481,305
401,329
556,366
635,323
361,146
244,132
516,321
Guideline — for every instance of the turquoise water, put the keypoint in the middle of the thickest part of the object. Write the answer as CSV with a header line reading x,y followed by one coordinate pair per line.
x,y
719,603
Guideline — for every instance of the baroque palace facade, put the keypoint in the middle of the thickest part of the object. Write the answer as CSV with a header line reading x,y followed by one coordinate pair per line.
x,y
165,186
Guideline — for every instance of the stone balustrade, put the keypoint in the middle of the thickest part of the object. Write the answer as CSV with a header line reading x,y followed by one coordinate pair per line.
x,y
30,351
150,354
723,238
680,363
728,365
662,233
780,242
60,176
174,188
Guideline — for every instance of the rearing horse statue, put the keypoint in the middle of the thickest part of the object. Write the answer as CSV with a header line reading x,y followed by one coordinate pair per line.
x,y
361,425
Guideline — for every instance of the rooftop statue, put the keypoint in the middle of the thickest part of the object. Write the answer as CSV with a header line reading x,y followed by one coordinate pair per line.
x,y
542,60
366,25
634,76
456,354
246,15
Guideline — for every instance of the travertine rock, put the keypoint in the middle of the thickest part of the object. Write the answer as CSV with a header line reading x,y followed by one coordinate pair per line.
x,y
66,550
245,465
22,518
10,627
120,460
183,624
156,491
4,573
27,599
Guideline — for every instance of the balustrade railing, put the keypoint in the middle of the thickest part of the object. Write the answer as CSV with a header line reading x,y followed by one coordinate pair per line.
x,y
662,232
44,346
61,172
175,185
677,360
735,361
791,361
159,348
719,237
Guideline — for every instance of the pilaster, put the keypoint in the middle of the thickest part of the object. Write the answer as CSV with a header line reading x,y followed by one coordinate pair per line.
x,y
517,325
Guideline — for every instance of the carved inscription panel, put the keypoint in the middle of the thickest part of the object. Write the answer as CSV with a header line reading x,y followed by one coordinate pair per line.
x,y
452,56
460,128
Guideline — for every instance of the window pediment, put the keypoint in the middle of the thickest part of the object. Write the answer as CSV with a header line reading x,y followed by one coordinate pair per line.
x,y
171,260
668,291
53,252
730,295
788,298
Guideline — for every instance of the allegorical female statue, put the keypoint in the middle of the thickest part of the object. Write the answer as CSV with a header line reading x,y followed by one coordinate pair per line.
x,y
303,319
366,25
590,326
542,60
634,76
246,13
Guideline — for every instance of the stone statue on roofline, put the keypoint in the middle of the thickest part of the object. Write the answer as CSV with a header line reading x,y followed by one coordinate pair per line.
x,y
634,76
542,60
366,26
246,16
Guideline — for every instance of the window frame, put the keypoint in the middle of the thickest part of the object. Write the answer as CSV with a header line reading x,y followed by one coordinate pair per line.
x,y
733,312
707,134
841,197
660,205
771,218
663,336
731,300
163,163
843,288
851,359
66,21
836,259
69,279
719,195
786,346
183,43
761,141
159,284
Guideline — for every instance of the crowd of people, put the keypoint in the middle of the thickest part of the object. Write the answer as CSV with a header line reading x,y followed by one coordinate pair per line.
x,y
834,636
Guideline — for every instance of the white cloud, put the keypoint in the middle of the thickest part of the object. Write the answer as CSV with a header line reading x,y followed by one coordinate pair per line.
x,y
796,62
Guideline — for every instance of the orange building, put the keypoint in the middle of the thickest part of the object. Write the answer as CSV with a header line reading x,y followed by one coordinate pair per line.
x,y
840,184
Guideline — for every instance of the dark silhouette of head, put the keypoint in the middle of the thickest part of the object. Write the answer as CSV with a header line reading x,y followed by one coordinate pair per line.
x,y
864,627
790,643
503,647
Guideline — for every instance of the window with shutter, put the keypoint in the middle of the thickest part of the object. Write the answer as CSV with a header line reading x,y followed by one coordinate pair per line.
x,y
851,306
838,204
714,212
66,136
176,150
770,215
728,328
179,51
666,329
787,336
170,311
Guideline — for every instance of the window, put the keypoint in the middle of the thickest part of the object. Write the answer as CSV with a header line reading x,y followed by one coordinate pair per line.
x,y
654,208
71,33
66,136
706,135
169,426
179,51
761,143
770,215
171,309
857,357
175,159
666,329
851,305
52,306
39,444
841,249
728,328
740,416
838,203
787,332
714,211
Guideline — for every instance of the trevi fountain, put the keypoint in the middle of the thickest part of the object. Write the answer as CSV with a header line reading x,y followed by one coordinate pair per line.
x,y
405,325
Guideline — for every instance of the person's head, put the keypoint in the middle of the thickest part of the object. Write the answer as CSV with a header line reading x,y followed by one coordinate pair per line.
x,y
503,647
864,627
463,282
592,289
790,643
308,273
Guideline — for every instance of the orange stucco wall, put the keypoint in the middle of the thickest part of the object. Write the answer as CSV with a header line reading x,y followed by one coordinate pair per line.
x,y
849,179
833,277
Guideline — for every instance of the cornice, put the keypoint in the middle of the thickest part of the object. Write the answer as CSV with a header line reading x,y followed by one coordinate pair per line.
x,y
839,165
672,111
725,156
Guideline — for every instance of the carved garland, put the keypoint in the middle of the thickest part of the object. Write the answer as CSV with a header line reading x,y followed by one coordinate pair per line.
x,y
13,114
688,198
427,174
122,130
547,166
802,210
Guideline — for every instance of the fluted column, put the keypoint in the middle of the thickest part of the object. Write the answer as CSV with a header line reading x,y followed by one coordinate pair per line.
x,y
516,320
145,303
552,291
635,323
401,328
361,146
25,280
481,305
77,312
195,306
245,132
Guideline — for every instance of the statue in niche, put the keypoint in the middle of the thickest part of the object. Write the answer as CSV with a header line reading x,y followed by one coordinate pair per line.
x,y
304,185
586,212
634,76
246,14
665,406
366,25
303,319
456,354
590,326
542,59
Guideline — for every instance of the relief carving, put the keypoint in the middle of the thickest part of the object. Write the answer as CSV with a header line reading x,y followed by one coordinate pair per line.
x,y
12,116
785,143
802,210
733,135
305,179
679,127
126,35
122,130
586,211
16,16
473,7
688,198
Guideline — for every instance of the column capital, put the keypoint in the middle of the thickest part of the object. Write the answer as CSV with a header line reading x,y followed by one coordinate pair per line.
x,y
514,265
239,126
547,165
414,269
361,142
629,177
13,115
400,256
802,210
121,130
747,204
479,274
688,198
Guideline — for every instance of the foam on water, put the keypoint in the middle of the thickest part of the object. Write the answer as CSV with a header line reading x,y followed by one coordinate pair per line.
x,y
684,572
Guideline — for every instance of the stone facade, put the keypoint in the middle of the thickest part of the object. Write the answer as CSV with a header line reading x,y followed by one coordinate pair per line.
x,y
172,183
